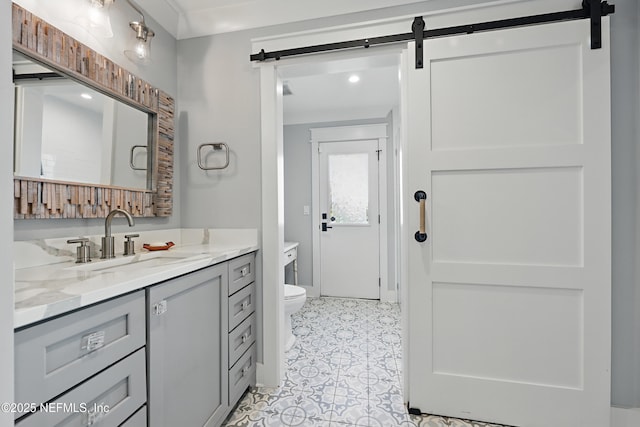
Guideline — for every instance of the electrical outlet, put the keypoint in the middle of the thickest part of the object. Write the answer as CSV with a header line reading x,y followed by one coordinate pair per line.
x,y
306,209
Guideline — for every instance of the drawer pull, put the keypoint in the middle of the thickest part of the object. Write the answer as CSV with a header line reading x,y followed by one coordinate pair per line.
x,y
96,412
245,370
244,338
93,341
160,308
245,305
244,271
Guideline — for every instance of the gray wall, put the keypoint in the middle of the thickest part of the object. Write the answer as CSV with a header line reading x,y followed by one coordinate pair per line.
x,y
219,95
625,138
6,214
219,102
162,72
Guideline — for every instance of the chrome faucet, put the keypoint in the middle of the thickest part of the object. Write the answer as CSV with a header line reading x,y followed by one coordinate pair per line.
x,y
108,241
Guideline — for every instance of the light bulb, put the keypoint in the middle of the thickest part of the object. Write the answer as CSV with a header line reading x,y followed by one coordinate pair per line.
x,y
141,49
139,52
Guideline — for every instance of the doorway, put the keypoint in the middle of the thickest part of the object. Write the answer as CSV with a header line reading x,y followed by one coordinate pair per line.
x,y
330,120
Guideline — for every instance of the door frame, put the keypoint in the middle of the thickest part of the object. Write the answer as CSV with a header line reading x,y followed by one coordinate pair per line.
x,y
348,134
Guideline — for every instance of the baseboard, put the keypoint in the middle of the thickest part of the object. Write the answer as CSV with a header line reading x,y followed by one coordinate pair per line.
x,y
388,296
259,374
625,417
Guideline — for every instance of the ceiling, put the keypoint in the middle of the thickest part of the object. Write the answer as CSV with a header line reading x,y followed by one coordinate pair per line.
x,y
324,93
195,18
320,93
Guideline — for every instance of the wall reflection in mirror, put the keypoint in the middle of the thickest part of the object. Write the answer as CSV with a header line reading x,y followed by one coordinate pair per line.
x,y
66,131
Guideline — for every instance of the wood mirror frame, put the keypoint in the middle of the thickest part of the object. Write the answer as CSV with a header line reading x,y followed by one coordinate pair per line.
x,y
44,198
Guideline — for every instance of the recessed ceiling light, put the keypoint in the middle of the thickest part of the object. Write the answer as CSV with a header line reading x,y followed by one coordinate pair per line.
x,y
354,78
86,96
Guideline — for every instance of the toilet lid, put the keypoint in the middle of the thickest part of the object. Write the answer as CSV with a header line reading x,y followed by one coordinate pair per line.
x,y
291,291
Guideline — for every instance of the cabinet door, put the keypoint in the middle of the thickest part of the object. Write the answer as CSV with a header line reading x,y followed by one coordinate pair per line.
x,y
187,352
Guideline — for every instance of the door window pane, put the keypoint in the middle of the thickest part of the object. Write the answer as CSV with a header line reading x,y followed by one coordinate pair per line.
x,y
349,188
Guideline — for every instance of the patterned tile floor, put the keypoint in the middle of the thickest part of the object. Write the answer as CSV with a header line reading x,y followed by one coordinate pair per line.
x,y
345,369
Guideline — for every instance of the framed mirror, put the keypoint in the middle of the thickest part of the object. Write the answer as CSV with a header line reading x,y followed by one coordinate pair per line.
x,y
68,131
89,136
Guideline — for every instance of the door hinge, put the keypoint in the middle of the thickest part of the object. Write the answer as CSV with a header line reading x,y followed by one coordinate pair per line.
x,y
378,152
379,282
378,218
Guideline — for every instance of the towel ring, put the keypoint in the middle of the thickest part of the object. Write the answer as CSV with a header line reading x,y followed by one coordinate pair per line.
x,y
133,166
216,146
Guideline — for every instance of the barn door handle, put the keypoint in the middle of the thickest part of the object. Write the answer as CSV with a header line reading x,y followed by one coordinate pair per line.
x,y
421,234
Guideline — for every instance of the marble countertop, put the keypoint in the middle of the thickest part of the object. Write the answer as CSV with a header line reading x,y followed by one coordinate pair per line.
x,y
48,282
290,245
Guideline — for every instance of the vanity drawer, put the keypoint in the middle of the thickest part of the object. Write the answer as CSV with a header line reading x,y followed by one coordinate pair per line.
x,y
56,355
107,399
290,256
241,338
242,375
241,305
139,419
242,271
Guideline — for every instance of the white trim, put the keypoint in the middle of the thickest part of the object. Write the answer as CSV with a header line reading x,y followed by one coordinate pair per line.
x,y
314,291
403,217
271,371
383,210
389,296
625,417
347,134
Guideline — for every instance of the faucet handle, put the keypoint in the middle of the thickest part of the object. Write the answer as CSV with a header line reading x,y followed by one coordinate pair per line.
x,y
129,245
83,252
82,240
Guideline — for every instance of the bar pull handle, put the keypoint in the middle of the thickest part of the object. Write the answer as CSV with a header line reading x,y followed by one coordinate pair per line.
x,y
216,146
131,164
421,234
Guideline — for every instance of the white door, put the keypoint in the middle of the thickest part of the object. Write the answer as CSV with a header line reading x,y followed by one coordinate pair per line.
x,y
350,229
509,297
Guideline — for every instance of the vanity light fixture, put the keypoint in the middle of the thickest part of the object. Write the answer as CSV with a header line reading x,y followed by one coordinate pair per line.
x,y
95,17
141,49
354,78
86,96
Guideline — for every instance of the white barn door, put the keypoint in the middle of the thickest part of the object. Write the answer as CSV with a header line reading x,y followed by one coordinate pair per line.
x,y
509,297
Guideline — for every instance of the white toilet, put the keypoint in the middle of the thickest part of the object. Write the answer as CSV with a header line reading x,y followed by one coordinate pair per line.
x,y
294,298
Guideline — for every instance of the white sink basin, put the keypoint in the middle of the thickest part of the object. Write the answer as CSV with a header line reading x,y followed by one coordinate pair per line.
x,y
136,262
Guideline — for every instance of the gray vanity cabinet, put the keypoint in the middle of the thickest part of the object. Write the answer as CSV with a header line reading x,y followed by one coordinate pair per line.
x,y
179,353
187,349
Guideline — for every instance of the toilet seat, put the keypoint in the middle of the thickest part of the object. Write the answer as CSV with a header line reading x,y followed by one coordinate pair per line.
x,y
292,292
